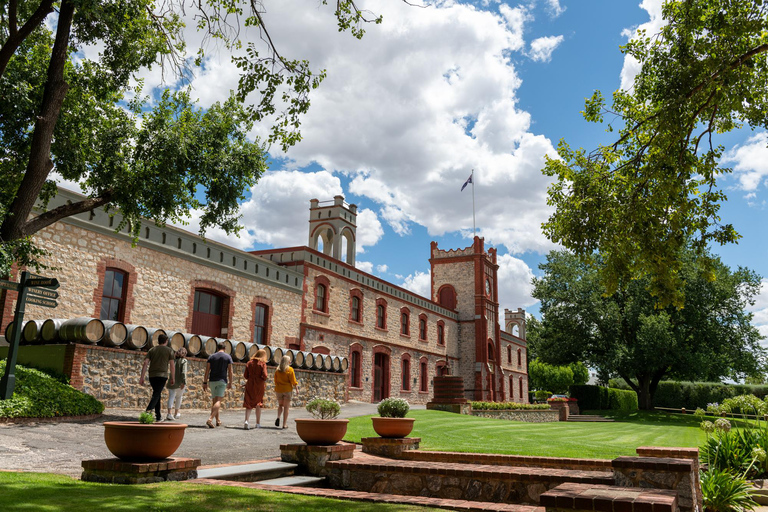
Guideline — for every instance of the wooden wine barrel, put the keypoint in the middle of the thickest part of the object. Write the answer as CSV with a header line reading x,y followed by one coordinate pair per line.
x,y
193,344
154,335
82,330
32,332
228,346
297,358
287,352
9,331
276,356
137,338
256,347
115,333
344,364
310,361
336,363
242,351
175,340
50,330
324,363
208,347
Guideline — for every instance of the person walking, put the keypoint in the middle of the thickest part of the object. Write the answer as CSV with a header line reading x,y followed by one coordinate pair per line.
x,y
218,372
176,389
285,381
159,359
255,385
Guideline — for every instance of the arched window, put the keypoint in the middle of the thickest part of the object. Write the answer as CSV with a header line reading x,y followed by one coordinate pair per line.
x,y
520,384
405,373
440,333
206,313
320,298
405,322
509,354
381,314
355,366
422,327
519,357
356,306
446,296
113,295
490,351
260,324
511,387
423,383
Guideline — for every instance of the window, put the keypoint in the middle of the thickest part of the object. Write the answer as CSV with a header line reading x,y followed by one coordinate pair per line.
x,y
511,387
520,382
423,327
113,295
381,314
509,354
446,296
354,369
206,315
355,313
405,320
356,306
519,357
423,376
320,293
260,325
440,333
406,373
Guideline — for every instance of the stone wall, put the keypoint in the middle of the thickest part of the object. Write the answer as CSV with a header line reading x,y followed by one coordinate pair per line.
x,y
112,376
542,416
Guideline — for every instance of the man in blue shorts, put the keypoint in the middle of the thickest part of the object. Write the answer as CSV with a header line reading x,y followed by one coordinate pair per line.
x,y
218,376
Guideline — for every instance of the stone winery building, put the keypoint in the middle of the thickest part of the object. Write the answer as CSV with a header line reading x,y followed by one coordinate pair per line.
x,y
310,298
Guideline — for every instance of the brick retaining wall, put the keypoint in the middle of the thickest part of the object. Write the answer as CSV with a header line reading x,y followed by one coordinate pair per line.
x,y
540,416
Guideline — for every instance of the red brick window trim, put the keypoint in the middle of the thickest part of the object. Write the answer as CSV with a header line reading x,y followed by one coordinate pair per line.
x,y
405,372
520,383
446,297
261,321
519,357
509,354
130,275
381,314
227,306
405,322
422,327
512,387
322,294
440,368
356,366
440,332
423,375
356,306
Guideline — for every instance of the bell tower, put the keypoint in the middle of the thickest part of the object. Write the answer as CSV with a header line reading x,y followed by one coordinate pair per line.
x,y
334,224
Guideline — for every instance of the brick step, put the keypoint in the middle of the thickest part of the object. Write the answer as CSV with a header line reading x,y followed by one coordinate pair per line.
x,y
572,496
474,482
248,472
509,460
373,497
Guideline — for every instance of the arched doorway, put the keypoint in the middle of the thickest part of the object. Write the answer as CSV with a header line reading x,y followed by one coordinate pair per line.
x,y
381,376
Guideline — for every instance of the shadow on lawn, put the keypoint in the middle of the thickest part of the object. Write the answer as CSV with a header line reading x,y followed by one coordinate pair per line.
x,y
660,418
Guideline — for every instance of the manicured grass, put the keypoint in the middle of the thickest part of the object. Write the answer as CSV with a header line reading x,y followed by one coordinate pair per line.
x,y
446,431
41,492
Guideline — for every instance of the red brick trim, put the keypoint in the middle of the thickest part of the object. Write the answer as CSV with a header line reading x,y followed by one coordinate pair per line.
x,y
405,310
356,292
227,308
322,280
356,347
423,375
440,327
74,356
405,379
101,269
381,302
449,288
425,319
268,335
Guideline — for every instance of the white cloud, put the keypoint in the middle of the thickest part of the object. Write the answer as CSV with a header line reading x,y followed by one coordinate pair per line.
x,y
542,48
369,230
653,26
365,266
515,286
750,162
760,309
419,283
554,8
381,269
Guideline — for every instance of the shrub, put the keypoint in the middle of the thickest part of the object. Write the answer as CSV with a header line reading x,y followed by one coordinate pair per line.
x,y
37,395
507,406
323,409
591,397
724,491
146,418
622,400
542,395
393,408
691,395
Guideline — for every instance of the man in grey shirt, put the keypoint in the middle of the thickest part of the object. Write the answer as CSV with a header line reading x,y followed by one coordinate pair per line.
x,y
218,376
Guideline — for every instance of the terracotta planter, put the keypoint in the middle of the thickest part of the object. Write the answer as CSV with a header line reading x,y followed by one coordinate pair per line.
x,y
313,431
139,442
392,427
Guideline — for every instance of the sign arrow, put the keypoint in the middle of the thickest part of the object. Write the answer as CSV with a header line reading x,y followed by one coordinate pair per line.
x,y
9,285
42,292
47,282
40,301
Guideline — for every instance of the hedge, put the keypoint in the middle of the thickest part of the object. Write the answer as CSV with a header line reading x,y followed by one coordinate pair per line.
x,y
600,398
37,395
507,406
691,395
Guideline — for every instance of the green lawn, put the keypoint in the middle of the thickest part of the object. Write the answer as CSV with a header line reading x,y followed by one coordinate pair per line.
x,y
446,431
43,492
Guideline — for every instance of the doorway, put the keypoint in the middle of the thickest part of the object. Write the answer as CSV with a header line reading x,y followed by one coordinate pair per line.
x,y
380,377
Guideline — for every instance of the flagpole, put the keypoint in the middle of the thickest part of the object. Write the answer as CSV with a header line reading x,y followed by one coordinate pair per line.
x,y
474,226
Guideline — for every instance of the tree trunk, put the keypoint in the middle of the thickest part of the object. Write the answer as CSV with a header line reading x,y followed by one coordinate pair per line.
x,y
40,165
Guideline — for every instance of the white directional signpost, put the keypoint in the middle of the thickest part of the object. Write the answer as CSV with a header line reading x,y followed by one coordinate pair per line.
x,y
33,289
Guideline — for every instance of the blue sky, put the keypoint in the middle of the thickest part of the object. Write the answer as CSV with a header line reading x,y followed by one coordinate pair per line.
x,y
432,93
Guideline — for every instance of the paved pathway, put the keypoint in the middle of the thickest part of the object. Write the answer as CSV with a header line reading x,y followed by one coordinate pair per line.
x,y
60,447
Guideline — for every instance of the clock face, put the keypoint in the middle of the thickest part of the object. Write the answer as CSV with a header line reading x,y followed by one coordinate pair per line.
x,y
488,287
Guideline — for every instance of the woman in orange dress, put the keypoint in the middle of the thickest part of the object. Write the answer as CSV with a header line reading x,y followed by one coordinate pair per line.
x,y
255,385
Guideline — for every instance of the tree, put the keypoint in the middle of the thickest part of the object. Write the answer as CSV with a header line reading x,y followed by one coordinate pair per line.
x,y
556,379
639,201
626,334
61,110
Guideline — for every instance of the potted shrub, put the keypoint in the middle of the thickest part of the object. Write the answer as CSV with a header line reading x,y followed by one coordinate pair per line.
x,y
143,440
391,421
324,428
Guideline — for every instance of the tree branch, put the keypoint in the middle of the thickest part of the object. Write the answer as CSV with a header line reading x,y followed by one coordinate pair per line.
x,y
17,36
43,220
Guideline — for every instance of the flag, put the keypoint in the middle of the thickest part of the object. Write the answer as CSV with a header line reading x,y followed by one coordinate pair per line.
x,y
469,180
